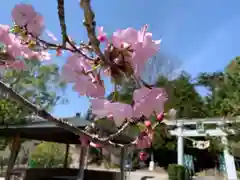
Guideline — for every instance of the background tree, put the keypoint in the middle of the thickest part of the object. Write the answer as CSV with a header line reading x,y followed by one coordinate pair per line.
x,y
223,98
182,96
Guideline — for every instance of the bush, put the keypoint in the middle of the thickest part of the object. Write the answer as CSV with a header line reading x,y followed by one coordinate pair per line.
x,y
49,155
177,172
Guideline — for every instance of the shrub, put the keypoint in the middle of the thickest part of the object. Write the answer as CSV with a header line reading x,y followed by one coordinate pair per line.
x,y
177,172
49,155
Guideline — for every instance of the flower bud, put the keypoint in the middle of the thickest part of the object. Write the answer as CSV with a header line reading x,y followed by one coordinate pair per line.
x,y
101,38
147,123
110,116
160,117
143,156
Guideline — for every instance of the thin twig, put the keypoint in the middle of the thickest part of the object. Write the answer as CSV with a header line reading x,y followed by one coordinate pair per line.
x,y
90,25
112,136
61,17
65,38
59,46
59,122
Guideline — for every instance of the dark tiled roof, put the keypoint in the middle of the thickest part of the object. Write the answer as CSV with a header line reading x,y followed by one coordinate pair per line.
x,y
40,129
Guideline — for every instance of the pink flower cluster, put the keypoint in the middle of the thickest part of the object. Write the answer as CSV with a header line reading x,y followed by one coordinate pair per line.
x,y
146,101
139,46
140,42
23,16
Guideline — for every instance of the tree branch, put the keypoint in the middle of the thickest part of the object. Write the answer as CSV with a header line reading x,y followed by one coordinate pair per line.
x,y
61,16
112,136
10,93
59,46
90,25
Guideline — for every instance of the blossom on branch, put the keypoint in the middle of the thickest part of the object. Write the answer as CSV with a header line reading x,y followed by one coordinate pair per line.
x,y
77,70
15,50
119,111
24,15
102,36
147,101
138,44
143,141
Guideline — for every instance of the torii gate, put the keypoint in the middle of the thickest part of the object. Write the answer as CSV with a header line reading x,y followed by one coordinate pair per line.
x,y
182,132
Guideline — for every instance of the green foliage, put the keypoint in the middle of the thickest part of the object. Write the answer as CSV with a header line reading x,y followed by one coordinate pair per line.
x,y
177,172
49,155
39,83
182,96
224,96
11,113
162,138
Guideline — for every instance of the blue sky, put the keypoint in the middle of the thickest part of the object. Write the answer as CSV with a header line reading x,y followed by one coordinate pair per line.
x,y
203,35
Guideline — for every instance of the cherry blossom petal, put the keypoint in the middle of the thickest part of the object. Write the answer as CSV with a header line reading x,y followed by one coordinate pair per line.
x,y
143,143
155,99
36,25
119,111
22,14
102,36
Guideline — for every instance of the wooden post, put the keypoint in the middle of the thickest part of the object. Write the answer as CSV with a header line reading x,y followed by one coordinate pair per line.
x,y
15,147
122,164
66,156
83,156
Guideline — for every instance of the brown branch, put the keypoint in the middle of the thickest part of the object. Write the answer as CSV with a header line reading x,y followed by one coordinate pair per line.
x,y
112,136
59,46
61,17
59,122
90,25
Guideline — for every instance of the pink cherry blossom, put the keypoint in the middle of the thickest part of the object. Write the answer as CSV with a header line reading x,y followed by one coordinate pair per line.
x,y
36,25
22,14
75,71
124,38
143,142
16,49
5,37
140,42
102,36
85,87
119,111
155,99
74,67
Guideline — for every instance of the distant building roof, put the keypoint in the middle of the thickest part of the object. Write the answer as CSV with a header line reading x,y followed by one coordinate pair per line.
x,y
40,129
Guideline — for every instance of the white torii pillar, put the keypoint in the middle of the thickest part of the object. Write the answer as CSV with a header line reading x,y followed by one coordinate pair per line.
x,y
180,144
229,161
